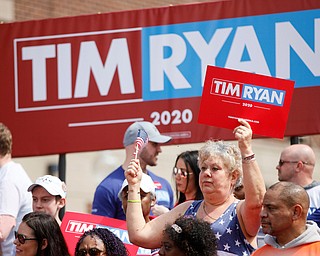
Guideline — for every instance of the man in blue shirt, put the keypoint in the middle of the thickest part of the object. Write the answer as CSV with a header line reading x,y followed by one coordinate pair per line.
x,y
106,201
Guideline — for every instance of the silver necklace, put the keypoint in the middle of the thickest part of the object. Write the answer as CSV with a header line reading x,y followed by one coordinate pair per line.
x,y
204,209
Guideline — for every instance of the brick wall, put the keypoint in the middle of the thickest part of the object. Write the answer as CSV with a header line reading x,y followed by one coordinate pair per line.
x,y
43,9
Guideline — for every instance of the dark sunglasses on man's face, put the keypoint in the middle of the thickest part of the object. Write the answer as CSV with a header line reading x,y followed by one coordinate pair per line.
x,y
22,238
91,252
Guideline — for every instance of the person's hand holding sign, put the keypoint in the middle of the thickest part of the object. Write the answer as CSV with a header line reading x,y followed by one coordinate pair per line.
x,y
252,177
243,134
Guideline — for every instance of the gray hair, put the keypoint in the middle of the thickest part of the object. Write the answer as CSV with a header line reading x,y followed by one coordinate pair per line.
x,y
228,152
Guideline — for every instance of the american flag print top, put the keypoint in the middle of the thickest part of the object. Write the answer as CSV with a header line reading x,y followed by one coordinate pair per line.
x,y
230,238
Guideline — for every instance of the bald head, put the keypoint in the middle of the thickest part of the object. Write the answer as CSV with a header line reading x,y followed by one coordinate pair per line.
x,y
296,164
300,152
284,211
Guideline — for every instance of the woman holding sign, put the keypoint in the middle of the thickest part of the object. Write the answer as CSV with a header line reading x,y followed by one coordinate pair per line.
x,y
235,223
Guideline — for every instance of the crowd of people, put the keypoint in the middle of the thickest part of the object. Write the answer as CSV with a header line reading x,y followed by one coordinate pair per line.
x,y
220,165
221,202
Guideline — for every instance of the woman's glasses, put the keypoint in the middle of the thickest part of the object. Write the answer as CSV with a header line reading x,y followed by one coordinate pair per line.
x,y
91,252
22,238
182,172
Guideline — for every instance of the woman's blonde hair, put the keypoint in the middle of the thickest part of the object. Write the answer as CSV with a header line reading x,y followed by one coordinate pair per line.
x,y
228,152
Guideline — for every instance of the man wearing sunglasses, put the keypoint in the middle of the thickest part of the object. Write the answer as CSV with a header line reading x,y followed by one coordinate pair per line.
x,y
296,165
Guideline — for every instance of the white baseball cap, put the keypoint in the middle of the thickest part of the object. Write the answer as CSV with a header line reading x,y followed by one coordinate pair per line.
x,y
147,185
52,184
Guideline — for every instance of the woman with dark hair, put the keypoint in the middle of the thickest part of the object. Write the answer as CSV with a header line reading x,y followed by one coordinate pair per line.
x,y
39,234
186,172
188,236
100,241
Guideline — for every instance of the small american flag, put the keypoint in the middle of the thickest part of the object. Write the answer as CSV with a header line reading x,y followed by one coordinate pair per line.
x,y
142,139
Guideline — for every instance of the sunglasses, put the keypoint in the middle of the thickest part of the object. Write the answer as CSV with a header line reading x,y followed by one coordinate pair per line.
x,y
182,172
22,238
91,252
282,162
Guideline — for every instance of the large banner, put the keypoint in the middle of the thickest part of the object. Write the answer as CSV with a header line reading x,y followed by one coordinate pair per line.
x,y
75,84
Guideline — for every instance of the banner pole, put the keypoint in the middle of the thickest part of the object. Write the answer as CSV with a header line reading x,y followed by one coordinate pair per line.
x,y
62,176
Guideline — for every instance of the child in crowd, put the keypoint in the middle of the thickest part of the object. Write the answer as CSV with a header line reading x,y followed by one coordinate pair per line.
x,y
188,236
48,195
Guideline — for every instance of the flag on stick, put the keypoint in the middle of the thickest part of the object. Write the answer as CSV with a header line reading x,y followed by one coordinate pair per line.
x,y
141,140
